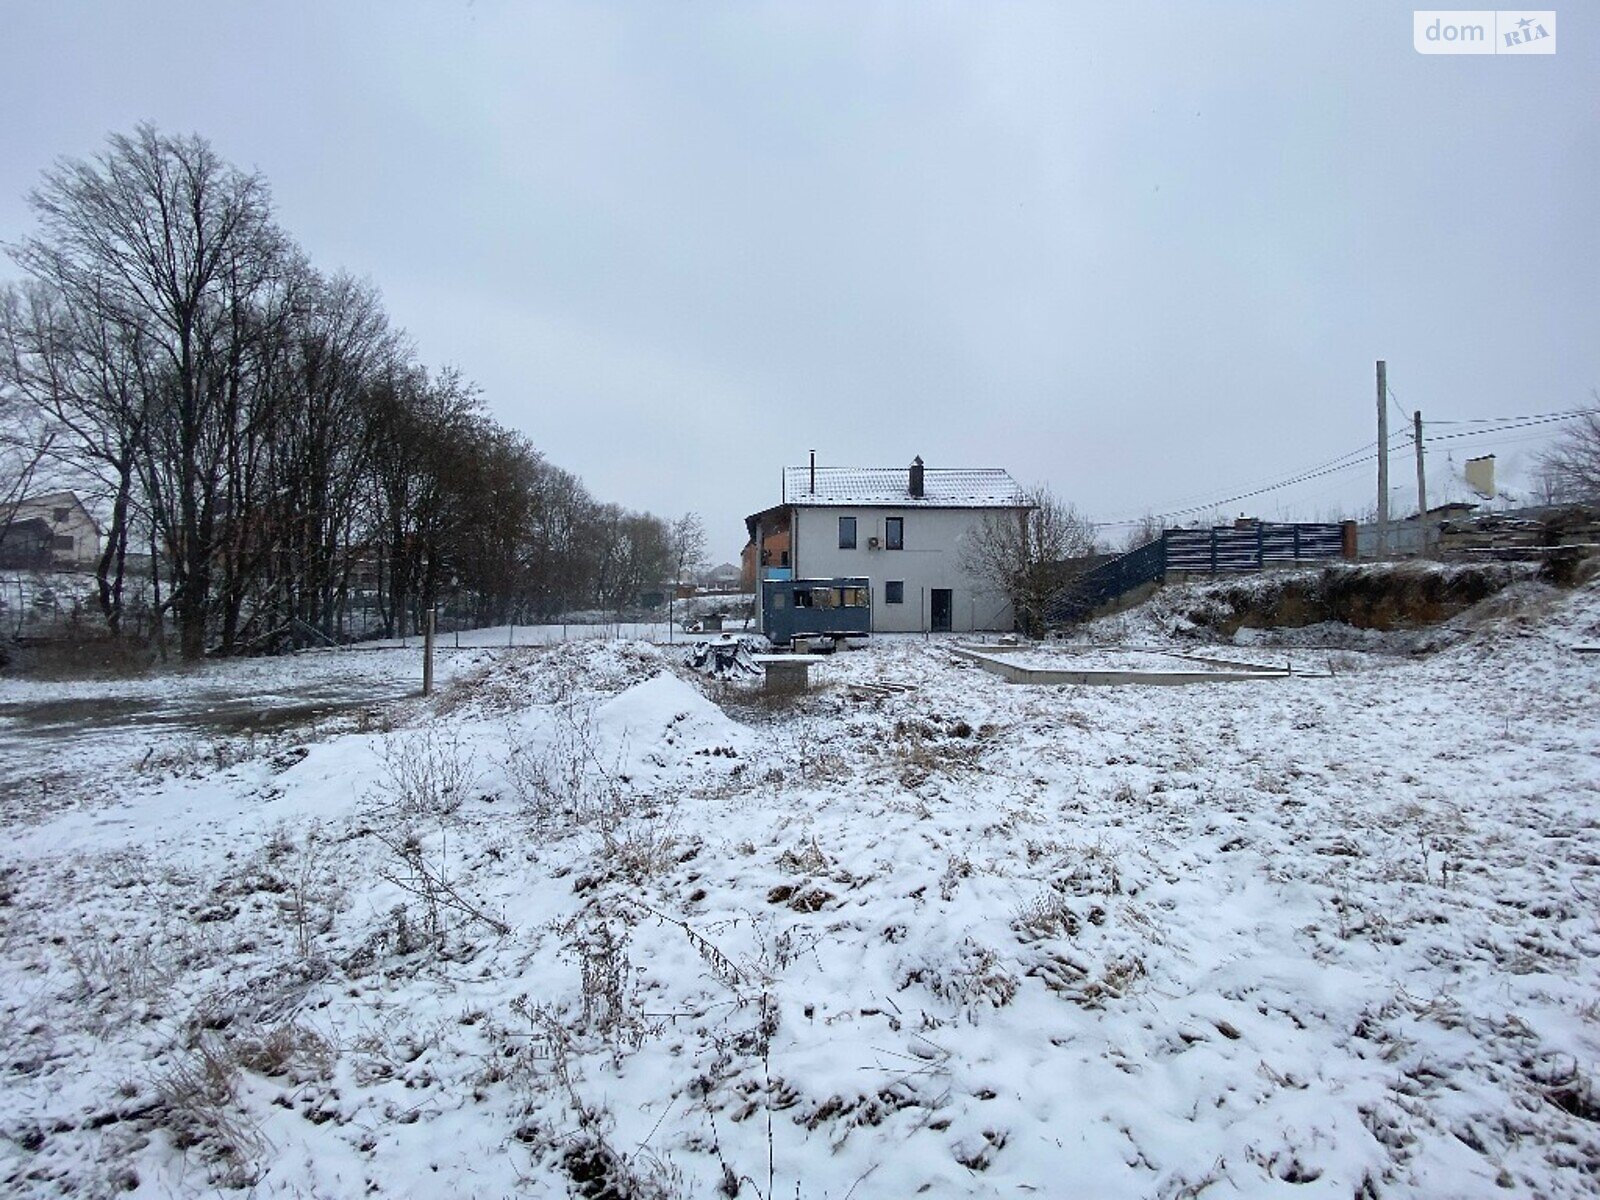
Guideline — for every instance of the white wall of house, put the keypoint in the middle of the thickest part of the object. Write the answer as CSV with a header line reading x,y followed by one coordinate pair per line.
x,y
931,559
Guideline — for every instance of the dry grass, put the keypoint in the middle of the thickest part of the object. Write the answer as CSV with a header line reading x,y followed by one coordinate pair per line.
x,y
198,1107
425,773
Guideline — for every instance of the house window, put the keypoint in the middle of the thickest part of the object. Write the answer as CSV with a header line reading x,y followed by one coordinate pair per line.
x,y
63,541
847,533
894,533
60,515
894,591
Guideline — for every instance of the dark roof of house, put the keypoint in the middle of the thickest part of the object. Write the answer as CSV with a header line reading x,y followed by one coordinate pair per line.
x,y
35,527
51,500
942,487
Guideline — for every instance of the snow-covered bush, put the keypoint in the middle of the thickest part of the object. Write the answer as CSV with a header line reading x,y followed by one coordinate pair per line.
x,y
425,773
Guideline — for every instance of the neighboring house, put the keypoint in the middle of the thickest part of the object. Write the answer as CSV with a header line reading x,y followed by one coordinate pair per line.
x,y
56,518
899,528
722,578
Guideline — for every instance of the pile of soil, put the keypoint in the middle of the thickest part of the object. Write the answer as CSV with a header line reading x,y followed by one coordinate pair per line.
x,y
1379,596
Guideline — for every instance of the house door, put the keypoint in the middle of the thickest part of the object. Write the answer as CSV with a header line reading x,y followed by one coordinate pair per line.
x,y
940,603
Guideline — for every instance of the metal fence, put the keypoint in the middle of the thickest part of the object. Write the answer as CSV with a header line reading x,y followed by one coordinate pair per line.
x,y
1223,549
1250,547
1104,583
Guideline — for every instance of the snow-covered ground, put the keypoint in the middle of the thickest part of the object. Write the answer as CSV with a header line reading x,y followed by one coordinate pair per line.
x,y
585,922
1069,657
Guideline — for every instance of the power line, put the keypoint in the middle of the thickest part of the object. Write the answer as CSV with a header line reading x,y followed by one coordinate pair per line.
x,y
1181,500
1398,440
1520,440
1551,419
1344,462
1404,415
1332,469
1561,416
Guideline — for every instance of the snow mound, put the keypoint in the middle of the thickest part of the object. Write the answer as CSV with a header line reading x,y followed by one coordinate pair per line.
x,y
551,674
1577,622
656,729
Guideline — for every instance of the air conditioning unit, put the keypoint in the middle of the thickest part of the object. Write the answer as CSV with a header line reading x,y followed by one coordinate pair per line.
x,y
873,543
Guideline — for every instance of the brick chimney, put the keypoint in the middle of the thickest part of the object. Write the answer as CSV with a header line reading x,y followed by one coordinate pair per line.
x,y
916,477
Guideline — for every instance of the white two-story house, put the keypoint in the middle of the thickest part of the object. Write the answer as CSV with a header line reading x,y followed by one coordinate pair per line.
x,y
901,529
54,530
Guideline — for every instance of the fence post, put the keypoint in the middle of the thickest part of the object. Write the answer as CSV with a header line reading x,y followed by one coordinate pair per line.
x,y
1296,529
427,657
1213,549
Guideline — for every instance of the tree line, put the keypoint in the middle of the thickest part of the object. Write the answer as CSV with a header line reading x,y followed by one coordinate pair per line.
x,y
267,450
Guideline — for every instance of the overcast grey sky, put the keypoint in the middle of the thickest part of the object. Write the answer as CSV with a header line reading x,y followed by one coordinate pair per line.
x,y
1144,252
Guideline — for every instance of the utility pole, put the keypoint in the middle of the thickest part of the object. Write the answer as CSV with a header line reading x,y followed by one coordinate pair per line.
x,y
1422,481
1383,460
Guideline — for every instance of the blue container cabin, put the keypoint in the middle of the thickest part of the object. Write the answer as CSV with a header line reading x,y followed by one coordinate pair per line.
x,y
840,607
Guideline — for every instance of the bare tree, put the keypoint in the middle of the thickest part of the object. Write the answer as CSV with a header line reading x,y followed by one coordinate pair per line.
x,y
686,540
263,434
317,474
1149,528
175,249
632,553
420,433
1570,470
75,371
25,436
557,547
1030,555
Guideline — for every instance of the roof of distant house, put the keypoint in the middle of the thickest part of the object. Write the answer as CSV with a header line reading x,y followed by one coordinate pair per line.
x,y
942,487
